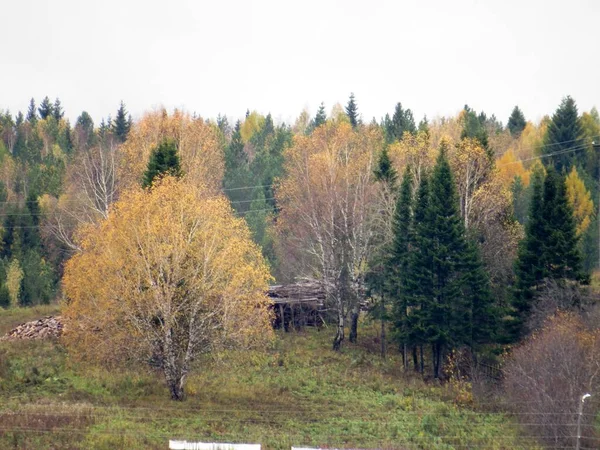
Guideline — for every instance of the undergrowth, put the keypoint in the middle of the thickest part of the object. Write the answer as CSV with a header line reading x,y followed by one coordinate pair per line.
x,y
297,393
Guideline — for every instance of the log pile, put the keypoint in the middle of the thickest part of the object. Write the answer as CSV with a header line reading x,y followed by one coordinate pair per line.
x,y
302,292
297,305
44,328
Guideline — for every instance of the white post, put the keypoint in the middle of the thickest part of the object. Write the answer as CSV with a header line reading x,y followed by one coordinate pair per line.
x,y
580,413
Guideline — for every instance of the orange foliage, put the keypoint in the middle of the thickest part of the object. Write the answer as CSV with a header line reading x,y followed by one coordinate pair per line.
x,y
510,167
155,278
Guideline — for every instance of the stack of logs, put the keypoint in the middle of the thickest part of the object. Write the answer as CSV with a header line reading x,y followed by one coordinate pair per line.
x,y
297,305
46,327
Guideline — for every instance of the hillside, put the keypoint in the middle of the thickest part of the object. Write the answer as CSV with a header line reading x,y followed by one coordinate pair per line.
x,y
297,393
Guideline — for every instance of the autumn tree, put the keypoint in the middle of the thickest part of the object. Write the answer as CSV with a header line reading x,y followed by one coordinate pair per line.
x,y
155,282
580,201
92,186
326,200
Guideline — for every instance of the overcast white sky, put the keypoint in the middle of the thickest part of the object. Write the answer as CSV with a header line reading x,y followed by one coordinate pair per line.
x,y
281,56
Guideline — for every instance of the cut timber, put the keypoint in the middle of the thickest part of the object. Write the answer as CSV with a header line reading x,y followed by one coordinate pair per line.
x,y
297,304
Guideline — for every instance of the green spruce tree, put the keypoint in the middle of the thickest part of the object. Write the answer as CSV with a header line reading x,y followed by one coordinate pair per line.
x,y
32,112
164,160
321,116
46,109
563,257
516,122
352,111
564,137
57,110
122,123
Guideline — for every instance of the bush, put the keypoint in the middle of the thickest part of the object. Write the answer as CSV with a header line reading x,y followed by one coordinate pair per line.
x,y
546,376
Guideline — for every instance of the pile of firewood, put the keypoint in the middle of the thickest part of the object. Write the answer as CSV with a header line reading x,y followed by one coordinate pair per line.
x,y
302,292
46,327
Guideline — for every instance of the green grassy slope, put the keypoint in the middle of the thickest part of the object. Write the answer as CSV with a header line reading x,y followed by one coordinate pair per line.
x,y
297,393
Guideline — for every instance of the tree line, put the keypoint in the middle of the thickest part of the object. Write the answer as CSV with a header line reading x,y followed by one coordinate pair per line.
x,y
453,253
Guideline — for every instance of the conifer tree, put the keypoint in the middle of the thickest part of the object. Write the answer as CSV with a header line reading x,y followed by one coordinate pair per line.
x,y
164,160
419,288
45,108
121,124
550,247
565,133
401,121
32,112
481,315
352,111
446,326
57,110
321,116
516,122
399,261
563,257
474,127
424,125
384,171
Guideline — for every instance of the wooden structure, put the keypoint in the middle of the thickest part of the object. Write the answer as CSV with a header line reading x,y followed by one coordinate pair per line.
x,y
297,305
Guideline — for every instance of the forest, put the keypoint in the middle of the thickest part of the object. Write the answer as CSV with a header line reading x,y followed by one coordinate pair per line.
x,y
467,240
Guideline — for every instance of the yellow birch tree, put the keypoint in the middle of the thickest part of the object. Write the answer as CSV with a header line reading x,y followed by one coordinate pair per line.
x,y
170,274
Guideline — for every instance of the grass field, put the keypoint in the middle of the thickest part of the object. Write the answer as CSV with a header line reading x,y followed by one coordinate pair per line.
x,y
297,393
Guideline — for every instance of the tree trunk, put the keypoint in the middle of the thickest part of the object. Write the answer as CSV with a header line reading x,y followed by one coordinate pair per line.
x,y
415,359
422,360
383,343
282,317
176,389
354,324
405,356
339,335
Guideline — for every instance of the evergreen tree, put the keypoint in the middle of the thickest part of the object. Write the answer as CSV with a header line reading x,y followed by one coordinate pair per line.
x,y
565,136
352,111
446,322
237,172
516,122
380,275
164,160
418,283
45,108
399,262
321,116
401,121
481,315
32,112
563,257
530,266
550,248
122,124
57,110
474,127
424,125
384,171
223,126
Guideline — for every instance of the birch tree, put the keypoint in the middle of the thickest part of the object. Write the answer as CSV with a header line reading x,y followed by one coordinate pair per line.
x,y
154,281
327,201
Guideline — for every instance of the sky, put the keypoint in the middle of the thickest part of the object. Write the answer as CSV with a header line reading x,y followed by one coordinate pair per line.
x,y
280,56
